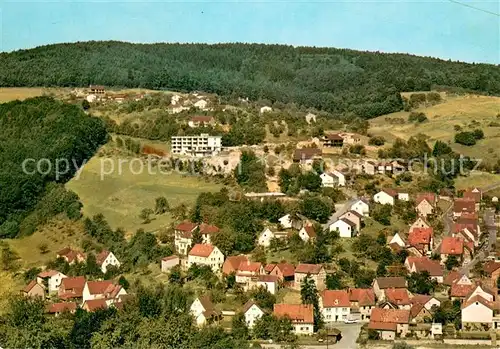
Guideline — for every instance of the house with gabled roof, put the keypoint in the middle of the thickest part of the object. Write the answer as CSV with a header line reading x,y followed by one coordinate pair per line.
x,y
315,271
332,179
284,271
361,206
248,270
476,312
396,239
390,322
382,283
307,233
92,305
421,264
420,223
71,256
421,239
104,289
419,313
492,270
306,156
354,217
463,205
61,307
105,259
454,246
335,305
34,290
72,287
362,301
204,311
468,231
386,197
205,254
252,313
51,279
474,193
344,227
301,315
268,282
425,204
232,263
429,302
398,298
183,235
167,263
293,221
201,121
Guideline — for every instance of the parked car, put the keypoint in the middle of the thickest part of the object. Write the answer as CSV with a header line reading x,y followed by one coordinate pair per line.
x,y
350,321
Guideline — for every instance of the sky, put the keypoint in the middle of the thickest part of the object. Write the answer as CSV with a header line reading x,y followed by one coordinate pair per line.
x,y
438,28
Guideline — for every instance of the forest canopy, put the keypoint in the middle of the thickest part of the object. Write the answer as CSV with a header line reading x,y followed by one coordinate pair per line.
x,y
340,81
42,128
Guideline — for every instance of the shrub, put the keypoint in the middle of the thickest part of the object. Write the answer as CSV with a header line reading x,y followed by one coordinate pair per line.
x,y
417,117
465,138
378,141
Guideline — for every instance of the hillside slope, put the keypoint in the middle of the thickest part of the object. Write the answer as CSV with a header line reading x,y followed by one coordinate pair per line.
x,y
340,81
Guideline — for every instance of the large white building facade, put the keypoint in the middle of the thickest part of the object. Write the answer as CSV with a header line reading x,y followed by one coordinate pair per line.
x,y
202,145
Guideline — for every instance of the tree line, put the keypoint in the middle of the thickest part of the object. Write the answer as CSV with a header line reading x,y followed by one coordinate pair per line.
x,y
341,81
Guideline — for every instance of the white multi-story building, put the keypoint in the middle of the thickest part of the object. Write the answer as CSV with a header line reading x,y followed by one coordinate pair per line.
x,y
202,145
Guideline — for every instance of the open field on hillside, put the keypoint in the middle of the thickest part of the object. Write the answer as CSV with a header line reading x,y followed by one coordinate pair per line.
x,y
121,195
12,93
469,112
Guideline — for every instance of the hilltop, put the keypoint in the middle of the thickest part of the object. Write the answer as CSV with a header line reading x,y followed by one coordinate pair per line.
x,y
343,82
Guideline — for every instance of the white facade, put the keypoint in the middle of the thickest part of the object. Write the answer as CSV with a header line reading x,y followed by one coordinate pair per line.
x,y
340,178
252,314
345,230
167,264
202,145
398,240
265,238
328,180
285,221
110,260
201,104
197,310
403,196
480,292
383,198
265,109
87,296
304,235
353,217
306,329
335,314
271,286
361,207
53,282
214,260
477,313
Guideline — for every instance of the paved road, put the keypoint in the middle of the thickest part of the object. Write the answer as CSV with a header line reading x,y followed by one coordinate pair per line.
x,y
350,333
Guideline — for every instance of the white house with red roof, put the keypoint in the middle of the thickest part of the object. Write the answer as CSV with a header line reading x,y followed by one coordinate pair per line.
x,y
477,311
361,206
252,313
72,287
425,204
59,308
51,279
421,239
200,121
206,254
307,233
248,270
420,222
268,282
344,227
301,315
421,264
105,259
335,305
183,235
354,217
71,256
362,302
454,246
104,289
397,298
386,197
389,322
463,205
167,263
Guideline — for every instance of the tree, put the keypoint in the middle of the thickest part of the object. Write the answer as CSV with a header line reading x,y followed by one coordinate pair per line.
x,y
263,298
310,181
123,282
161,205
377,141
465,138
334,282
85,104
31,273
382,213
421,283
9,258
316,208
144,215
309,295
451,262
250,172
197,238
239,328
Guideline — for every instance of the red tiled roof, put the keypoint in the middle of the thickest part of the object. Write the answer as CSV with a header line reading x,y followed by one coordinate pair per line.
x,y
287,269
268,278
478,299
334,137
415,309
72,287
459,227
391,282
99,287
95,304
186,226
208,229
363,296
308,268
251,267
430,197
470,194
420,236
390,192
201,250
382,326
232,263
70,255
398,296
29,286
298,313
452,245
461,291
306,153
433,267
269,268
48,273
397,316
201,118
464,205
451,277
248,305
169,258
420,299
335,298
60,307
310,231
101,257
491,266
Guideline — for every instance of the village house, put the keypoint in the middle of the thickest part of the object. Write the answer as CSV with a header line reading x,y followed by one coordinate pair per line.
x,y
97,89
92,305
420,223
295,221
463,205
453,246
201,121
267,235
354,217
420,314
332,140
397,240
268,282
369,167
474,194
33,289
421,264
252,313
72,287
397,298
284,271
307,233
332,179
306,156
104,289
59,308
386,197
167,263
425,204
461,288
315,271
183,234
71,256
362,302
204,254
492,270
467,231
301,316
207,231
50,279
232,263
248,270
382,283
204,311
345,228
105,259
335,305
477,312
428,302
390,323
361,206
421,239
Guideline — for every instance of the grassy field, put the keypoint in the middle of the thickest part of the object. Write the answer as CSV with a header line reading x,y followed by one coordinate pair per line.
x,y
10,94
121,195
469,112
477,179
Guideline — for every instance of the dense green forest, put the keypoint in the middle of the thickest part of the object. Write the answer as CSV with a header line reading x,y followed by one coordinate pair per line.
x,y
42,128
339,81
